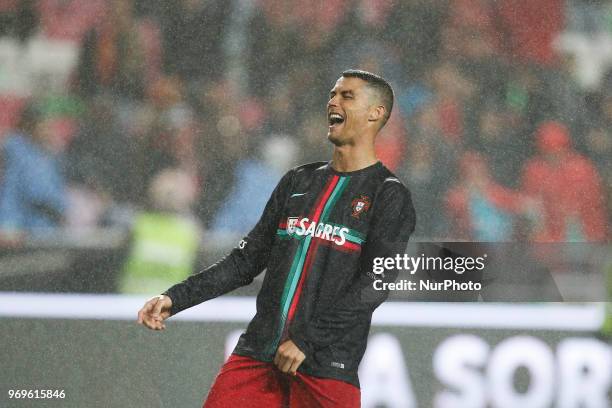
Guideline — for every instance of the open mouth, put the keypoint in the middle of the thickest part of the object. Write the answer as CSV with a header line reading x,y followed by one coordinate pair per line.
x,y
335,119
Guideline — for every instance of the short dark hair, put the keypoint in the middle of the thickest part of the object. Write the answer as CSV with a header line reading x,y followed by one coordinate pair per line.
x,y
380,86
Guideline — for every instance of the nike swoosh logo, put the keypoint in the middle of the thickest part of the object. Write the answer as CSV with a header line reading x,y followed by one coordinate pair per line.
x,y
297,195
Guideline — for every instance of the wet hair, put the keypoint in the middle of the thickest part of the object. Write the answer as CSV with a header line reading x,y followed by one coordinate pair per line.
x,y
379,85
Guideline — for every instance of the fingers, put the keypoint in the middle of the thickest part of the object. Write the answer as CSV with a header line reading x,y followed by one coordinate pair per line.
x,y
150,314
294,366
288,358
282,362
286,365
157,309
145,311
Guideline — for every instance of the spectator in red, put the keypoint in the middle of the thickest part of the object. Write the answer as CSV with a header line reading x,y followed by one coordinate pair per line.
x,y
568,187
529,28
453,90
481,210
472,29
391,142
69,19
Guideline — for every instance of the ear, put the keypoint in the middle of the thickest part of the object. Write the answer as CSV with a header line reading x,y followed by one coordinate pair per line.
x,y
377,112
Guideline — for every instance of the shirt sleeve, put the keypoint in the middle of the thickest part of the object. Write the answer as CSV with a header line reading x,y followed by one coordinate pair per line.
x,y
241,265
392,224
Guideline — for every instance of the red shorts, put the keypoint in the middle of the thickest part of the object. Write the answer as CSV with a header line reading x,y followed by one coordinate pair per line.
x,y
249,383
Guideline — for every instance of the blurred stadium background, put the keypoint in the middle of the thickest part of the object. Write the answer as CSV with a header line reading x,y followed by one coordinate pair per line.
x,y
140,139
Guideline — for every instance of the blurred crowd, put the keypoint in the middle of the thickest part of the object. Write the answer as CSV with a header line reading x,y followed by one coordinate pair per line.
x,y
502,128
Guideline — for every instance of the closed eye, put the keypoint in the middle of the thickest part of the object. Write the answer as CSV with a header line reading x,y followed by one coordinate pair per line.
x,y
345,94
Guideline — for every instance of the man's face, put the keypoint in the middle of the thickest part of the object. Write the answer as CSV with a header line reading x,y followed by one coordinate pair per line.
x,y
348,110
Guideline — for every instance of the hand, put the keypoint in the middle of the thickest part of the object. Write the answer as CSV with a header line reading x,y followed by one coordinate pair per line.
x,y
154,312
288,357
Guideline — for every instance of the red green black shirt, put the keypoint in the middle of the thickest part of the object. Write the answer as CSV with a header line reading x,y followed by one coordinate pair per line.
x,y
317,237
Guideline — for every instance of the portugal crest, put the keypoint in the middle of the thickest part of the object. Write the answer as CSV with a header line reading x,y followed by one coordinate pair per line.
x,y
360,205
291,224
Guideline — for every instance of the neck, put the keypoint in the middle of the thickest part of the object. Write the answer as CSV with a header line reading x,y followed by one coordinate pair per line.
x,y
352,158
